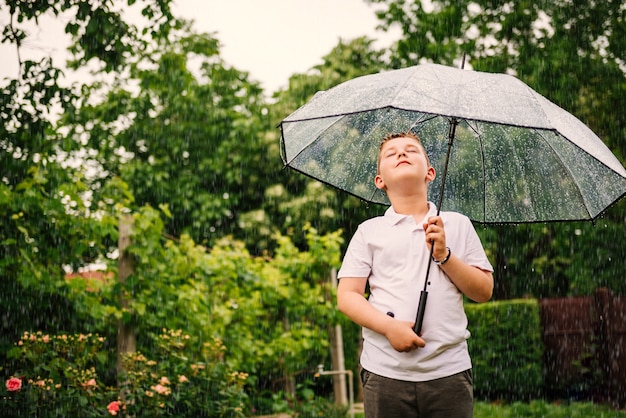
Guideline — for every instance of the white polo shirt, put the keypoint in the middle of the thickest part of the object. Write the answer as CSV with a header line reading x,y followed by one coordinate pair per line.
x,y
391,252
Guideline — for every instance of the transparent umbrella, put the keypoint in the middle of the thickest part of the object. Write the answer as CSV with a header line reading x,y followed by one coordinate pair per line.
x,y
507,154
516,158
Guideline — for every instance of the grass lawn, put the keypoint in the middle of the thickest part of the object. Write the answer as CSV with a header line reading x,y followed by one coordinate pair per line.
x,y
546,410
542,409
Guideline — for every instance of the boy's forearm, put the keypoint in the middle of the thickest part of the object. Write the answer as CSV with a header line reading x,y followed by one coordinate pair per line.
x,y
400,334
360,311
475,283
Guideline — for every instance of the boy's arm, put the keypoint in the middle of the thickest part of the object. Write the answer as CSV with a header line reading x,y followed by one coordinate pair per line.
x,y
352,303
475,283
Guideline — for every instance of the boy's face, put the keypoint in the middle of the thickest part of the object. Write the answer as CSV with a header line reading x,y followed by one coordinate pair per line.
x,y
403,158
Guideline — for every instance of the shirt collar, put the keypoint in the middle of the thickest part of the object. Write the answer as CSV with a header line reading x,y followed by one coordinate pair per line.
x,y
394,218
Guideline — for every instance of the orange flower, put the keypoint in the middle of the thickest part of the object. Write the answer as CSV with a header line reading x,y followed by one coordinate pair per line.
x,y
161,390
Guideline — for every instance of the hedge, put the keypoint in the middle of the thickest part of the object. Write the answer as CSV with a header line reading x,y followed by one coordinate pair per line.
x,y
506,349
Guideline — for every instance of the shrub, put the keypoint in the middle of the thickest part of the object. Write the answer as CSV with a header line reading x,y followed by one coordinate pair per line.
x,y
57,374
177,385
62,376
506,349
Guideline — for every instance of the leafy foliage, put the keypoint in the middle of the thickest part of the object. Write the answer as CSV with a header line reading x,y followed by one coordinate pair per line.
x,y
506,349
183,130
274,312
60,374
295,200
66,375
546,409
48,223
177,382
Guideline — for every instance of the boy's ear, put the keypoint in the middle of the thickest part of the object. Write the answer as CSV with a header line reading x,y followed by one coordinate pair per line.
x,y
431,174
379,182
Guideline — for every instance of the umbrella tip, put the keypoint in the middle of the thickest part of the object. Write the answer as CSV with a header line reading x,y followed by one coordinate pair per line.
x,y
463,61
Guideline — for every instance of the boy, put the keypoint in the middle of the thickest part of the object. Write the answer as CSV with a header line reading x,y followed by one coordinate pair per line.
x,y
403,374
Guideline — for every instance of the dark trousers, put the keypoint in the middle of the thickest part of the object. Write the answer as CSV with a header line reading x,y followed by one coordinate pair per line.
x,y
446,397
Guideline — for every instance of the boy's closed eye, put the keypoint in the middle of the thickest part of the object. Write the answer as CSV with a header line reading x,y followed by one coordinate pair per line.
x,y
393,152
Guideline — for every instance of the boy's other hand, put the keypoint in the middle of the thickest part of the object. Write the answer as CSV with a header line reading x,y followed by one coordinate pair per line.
x,y
402,337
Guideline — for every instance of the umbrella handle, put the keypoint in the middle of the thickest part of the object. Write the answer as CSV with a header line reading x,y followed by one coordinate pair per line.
x,y
421,308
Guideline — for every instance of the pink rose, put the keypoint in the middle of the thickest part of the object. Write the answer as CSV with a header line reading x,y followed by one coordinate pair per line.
x,y
14,384
114,407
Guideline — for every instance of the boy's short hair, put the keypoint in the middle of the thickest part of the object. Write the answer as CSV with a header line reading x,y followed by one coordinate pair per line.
x,y
395,135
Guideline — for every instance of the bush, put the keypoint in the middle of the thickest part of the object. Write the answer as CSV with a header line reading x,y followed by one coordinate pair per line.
x,y
506,349
63,376
56,376
176,385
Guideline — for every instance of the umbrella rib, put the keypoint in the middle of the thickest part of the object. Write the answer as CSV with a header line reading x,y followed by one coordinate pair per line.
x,y
283,146
421,120
566,168
482,162
340,117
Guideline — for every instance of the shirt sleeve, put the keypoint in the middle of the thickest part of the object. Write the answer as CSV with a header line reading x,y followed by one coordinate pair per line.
x,y
357,262
475,253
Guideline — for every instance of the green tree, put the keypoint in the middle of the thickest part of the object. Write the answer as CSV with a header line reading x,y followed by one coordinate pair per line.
x,y
47,222
292,199
183,129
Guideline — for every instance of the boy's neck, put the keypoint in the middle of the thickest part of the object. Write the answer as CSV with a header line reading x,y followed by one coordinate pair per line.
x,y
410,205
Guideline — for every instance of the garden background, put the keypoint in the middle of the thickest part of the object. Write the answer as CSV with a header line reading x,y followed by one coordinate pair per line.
x,y
229,297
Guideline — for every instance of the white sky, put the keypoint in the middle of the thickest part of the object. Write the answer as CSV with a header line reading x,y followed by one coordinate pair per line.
x,y
271,39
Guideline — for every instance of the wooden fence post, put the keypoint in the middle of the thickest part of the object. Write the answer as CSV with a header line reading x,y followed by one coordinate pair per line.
x,y
337,356
126,339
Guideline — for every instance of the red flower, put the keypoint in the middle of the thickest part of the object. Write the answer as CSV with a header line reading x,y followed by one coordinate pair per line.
x,y
114,407
14,384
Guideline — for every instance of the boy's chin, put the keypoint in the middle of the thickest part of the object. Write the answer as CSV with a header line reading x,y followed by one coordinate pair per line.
x,y
408,186
408,177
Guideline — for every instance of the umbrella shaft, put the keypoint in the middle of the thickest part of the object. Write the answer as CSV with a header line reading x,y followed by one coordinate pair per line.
x,y
424,294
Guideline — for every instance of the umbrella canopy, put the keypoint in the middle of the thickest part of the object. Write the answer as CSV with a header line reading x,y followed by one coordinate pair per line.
x,y
516,158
